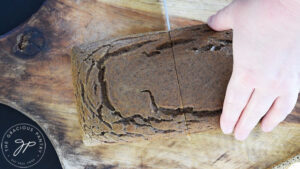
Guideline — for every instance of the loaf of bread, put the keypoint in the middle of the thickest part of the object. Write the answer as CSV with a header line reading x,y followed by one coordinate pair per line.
x,y
158,84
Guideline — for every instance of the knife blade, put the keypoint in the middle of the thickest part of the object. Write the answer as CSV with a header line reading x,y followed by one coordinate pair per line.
x,y
167,14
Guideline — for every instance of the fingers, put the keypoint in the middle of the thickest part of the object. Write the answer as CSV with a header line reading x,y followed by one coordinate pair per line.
x,y
259,104
236,98
222,20
282,106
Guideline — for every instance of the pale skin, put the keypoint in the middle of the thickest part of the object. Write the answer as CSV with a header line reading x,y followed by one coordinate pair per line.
x,y
266,71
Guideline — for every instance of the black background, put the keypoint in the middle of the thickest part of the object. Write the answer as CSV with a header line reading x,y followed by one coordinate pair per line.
x,y
10,117
16,12
12,14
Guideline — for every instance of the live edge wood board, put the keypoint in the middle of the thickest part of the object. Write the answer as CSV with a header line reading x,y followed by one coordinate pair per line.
x,y
36,79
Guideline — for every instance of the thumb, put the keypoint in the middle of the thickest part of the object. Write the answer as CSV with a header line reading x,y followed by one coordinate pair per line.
x,y
222,20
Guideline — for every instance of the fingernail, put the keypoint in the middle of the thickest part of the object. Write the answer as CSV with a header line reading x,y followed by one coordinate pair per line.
x,y
227,130
241,137
266,129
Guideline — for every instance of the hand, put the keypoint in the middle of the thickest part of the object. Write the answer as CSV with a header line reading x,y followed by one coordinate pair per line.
x,y
266,72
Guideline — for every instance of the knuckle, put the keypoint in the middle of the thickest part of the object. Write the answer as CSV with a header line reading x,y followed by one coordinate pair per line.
x,y
249,77
278,85
230,101
282,113
233,105
280,108
245,77
260,108
230,98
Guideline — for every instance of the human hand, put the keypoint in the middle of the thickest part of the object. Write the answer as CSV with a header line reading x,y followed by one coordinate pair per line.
x,y
266,71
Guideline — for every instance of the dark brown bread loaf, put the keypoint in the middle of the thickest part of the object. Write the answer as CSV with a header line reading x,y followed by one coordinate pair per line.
x,y
134,88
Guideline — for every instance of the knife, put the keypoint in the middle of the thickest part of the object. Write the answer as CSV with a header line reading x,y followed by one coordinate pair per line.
x,y
170,38
167,15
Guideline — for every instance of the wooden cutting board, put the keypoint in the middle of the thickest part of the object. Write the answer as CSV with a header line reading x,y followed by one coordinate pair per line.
x,y
36,80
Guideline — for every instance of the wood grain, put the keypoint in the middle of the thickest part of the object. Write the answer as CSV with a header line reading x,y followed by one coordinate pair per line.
x,y
181,13
36,79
